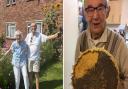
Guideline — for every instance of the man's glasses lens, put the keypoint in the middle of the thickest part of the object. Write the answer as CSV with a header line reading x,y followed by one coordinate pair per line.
x,y
91,10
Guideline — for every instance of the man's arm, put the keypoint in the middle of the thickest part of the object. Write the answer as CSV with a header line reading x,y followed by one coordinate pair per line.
x,y
53,36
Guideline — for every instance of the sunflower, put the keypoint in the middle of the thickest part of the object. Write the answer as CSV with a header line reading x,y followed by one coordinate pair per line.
x,y
95,69
57,6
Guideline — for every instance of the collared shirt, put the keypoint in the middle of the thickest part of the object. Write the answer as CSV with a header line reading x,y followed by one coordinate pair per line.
x,y
101,42
19,51
34,43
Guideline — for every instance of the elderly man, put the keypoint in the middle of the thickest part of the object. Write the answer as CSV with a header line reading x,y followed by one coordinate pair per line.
x,y
98,35
34,41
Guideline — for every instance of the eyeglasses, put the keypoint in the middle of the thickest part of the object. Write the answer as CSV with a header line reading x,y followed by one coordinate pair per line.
x,y
100,9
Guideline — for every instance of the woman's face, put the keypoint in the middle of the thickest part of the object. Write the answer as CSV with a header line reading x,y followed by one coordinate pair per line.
x,y
18,38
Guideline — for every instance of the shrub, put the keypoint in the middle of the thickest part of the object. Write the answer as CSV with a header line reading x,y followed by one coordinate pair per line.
x,y
2,40
6,73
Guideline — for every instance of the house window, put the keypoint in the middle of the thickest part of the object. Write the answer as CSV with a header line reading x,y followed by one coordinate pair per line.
x,y
39,26
13,1
10,30
8,2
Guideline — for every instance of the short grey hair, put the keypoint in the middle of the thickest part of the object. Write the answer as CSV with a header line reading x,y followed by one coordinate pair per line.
x,y
106,3
18,32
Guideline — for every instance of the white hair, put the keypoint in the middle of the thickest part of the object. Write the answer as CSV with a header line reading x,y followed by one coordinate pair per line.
x,y
18,32
106,2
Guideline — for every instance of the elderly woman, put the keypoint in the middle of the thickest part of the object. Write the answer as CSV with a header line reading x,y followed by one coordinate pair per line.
x,y
19,59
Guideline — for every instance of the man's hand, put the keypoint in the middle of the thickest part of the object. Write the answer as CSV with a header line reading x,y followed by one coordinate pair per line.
x,y
57,34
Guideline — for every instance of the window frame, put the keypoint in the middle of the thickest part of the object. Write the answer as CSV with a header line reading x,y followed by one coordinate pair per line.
x,y
12,2
8,2
8,30
36,21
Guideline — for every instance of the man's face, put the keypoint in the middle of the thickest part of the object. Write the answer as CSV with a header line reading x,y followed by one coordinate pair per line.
x,y
96,12
33,27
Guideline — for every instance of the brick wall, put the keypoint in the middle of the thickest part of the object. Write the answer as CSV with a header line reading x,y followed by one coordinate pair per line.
x,y
1,16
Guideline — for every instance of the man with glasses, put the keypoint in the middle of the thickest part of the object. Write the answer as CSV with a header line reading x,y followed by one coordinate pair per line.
x,y
98,35
34,41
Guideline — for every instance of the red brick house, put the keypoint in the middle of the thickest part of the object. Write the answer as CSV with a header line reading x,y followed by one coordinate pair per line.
x,y
18,14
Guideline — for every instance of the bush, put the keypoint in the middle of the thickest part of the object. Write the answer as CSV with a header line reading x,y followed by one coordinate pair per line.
x,y
52,49
2,40
6,73
47,50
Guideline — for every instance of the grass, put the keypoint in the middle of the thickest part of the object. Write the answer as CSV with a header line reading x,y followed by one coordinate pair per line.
x,y
51,75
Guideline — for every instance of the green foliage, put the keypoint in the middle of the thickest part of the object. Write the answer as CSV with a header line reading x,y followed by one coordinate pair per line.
x,y
47,50
6,73
52,69
53,48
2,40
50,20
50,12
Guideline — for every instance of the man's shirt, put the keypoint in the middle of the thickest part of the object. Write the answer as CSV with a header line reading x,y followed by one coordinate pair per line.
x,y
34,43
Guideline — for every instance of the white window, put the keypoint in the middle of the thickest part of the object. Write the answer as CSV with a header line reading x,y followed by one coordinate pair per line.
x,y
13,1
8,2
10,30
39,26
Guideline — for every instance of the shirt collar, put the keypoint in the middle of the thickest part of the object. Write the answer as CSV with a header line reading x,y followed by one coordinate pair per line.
x,y
103,38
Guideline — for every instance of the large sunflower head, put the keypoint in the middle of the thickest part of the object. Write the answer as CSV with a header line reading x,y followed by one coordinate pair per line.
x,y
95,69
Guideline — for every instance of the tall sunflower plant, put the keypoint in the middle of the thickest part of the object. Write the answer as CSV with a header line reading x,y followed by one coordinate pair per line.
x,y
51,13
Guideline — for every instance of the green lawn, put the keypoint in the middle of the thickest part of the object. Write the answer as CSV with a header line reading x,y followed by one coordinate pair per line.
x,y
51,75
